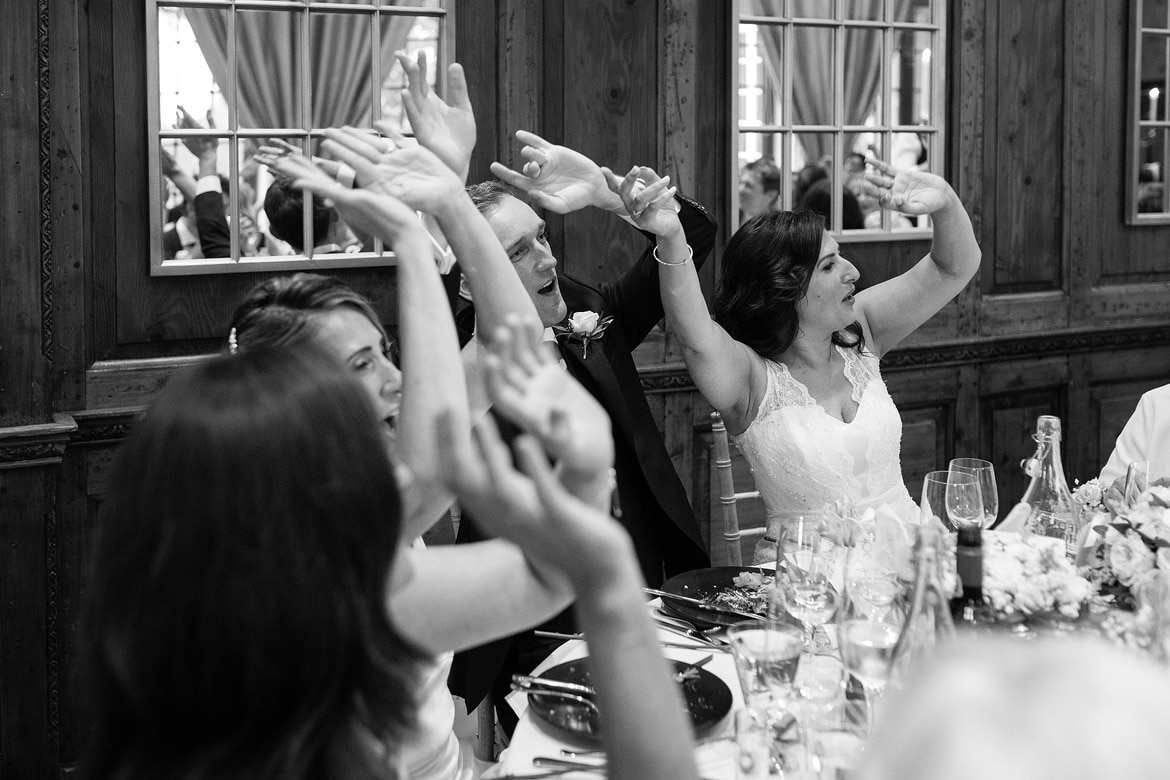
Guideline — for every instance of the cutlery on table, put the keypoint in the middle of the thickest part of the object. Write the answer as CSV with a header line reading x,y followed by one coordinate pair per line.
x,y
692,633
568,763
557,635
538,775
526,682
682,673
703,604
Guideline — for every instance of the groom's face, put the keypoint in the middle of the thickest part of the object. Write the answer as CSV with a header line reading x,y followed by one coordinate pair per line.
x,y
523,235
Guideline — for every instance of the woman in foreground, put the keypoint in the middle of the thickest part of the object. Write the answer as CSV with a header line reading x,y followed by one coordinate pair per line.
x,y
249,542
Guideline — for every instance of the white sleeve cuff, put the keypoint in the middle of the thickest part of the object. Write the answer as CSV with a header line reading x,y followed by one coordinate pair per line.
x,y
208,184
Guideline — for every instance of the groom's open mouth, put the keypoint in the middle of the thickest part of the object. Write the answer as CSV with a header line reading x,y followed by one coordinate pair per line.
x,y
547,287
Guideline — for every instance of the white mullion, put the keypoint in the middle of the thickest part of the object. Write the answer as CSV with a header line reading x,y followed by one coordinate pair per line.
x,y
733,113
837,199
306,124
786,101
233,144
376,82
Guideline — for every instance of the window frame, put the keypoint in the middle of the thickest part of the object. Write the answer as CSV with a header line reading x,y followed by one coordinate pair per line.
x,y
1138,126
786,129
382,256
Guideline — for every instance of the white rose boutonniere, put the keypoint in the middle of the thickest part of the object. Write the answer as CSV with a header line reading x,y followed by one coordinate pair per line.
x,y
585,327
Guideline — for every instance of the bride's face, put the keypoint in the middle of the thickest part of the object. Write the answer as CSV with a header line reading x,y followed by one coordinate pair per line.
x,y
827,305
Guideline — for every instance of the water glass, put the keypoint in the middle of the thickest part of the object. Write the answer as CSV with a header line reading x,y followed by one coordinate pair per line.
x,y
964,500
810,570
753,742
984,474
766,655
867,648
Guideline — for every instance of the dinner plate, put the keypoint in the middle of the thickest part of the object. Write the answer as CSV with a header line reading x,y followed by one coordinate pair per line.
x,y
702,584
708,701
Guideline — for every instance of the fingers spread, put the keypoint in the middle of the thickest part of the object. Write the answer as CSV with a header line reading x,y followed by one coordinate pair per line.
x,y
509,176
532,139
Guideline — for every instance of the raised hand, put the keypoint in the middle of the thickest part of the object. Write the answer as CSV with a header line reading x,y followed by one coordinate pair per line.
x,y
372,212
410,173
202,148
446,128
647,199
528,386
557,178
910,191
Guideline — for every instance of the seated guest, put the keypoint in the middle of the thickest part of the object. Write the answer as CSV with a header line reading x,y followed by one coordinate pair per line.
x,y
1067,709
759,188
237,605
1146,435
814,192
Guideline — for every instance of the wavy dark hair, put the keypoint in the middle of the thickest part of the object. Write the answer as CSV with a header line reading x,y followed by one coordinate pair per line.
x,y
236,602
767,265
283,311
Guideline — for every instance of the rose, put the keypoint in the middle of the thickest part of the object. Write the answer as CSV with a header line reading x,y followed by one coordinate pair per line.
x,y
583,323
1130,558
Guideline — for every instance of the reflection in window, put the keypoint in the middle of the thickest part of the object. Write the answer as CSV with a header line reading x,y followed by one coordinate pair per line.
x,y
1150,114
821,85
227,77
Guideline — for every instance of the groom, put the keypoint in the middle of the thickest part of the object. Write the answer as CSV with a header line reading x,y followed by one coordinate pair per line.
x,y
653,503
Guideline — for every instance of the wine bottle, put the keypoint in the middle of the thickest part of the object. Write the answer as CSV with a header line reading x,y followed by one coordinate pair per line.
x,y
968,611
1051,511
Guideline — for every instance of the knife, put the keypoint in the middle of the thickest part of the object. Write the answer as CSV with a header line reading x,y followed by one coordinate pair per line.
x,y
703,605
526,682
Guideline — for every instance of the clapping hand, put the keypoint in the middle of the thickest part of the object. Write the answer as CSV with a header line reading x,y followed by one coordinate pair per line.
x,y
557,178
528,387
910,191
446,128
647,198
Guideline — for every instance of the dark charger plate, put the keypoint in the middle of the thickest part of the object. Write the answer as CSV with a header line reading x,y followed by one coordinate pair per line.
x,y
702,584
708,701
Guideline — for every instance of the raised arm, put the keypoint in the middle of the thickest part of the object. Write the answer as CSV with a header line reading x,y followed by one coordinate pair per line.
x,y
728,374
893,309
432,372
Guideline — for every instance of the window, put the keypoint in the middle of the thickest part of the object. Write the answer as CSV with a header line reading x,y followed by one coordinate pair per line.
x,y
227,76
821,83
1149,136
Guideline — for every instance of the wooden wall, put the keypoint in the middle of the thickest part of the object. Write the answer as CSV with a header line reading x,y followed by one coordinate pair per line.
x,y
1069,314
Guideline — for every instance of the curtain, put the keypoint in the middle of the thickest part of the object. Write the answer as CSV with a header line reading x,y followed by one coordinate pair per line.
x,y
812,78
268,63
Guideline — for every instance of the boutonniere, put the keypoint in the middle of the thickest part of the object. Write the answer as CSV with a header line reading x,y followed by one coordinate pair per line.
x,y
585,327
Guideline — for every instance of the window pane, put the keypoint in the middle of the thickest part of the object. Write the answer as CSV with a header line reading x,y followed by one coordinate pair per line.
x,y
1152,171
910,77
1152,99
185,79
812,58
863,71
760,75
812,9
859,146
918,11
412,34
1154,13
341,92
762,8
868,10
753,146
195,223
269,62
812,160
391,4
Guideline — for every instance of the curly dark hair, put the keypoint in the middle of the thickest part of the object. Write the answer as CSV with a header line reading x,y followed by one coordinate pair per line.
x,y
767,265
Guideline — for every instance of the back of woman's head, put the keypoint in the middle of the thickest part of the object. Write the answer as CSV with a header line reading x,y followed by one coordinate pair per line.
x,y
1057,709
237,588
766,269
285,310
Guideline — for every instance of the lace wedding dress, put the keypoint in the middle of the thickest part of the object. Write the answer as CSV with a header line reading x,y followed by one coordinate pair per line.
x,y
803,458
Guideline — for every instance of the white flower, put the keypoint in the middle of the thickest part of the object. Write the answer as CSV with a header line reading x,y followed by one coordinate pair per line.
x,y
1129,558
584,322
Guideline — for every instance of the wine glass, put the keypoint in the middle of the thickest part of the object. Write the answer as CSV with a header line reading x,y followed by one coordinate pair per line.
x,y
985,474
809,557
964,500
933,505
871,573
867,649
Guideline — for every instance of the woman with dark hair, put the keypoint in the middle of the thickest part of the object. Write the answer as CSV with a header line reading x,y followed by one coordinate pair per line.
x,y
791,359
236,602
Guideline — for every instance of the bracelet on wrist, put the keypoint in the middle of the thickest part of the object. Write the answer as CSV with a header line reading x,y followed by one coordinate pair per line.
x,y
684,261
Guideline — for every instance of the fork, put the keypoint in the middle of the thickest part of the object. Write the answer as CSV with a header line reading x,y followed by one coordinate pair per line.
x,y
681,674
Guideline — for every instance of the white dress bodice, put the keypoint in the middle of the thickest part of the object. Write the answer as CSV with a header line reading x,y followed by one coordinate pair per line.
x,y
804,458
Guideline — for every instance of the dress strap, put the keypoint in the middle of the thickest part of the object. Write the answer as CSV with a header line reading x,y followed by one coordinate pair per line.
x,y
860,369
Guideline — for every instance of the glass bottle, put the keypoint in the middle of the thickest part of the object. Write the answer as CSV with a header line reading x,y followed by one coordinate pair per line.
x,y
1051,511
928,616
968,611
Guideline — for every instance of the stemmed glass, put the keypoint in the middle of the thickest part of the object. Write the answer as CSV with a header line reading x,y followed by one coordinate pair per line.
x,y
934,498
809,559
984,474
964,500
867,649
871,572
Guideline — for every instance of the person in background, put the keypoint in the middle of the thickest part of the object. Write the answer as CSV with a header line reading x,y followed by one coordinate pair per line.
x,y
1054,709
284,206
1146,435
759,188
814,192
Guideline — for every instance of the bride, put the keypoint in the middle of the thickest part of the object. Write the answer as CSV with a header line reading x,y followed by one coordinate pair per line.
x,y
791,358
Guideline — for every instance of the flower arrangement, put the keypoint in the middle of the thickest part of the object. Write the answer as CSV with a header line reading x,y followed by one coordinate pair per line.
x,y
1132,545
1089,498
1030,575
585,327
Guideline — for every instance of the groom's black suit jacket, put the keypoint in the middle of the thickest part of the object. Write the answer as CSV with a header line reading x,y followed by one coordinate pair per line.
x,y
653,502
